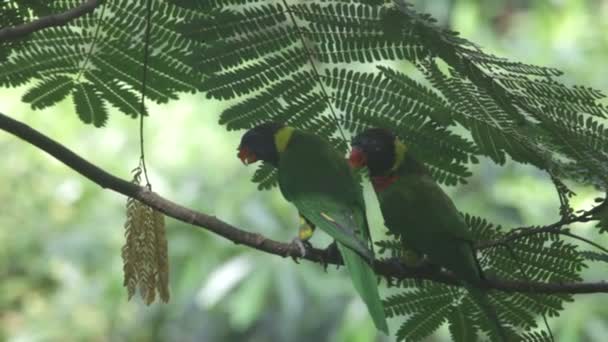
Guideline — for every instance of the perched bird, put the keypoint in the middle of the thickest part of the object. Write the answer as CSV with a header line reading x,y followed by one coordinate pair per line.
x,y
415,208
318,181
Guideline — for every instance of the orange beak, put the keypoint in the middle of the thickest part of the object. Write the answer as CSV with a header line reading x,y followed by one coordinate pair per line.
x,y
246,156
357,158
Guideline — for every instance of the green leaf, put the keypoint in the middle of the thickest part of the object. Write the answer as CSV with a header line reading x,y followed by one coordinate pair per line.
x,y
266,176
537,336
89,106
461,326
49,92
115,93
420,299
594,256
427,309
106,51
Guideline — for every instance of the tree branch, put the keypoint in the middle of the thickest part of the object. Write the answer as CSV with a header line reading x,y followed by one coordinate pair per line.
x,y
254,240
19,31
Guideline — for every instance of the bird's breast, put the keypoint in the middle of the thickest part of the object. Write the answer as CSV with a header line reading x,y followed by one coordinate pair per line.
x,y
381,183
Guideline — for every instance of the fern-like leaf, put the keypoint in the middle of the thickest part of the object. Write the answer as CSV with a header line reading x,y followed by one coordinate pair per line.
x,y
266,176
427,309
103,49
49,92
537,336
461,326
89,106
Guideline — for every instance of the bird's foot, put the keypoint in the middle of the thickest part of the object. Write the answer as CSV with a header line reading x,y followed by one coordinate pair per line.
x,y
299,249
409,259
412,259
331,253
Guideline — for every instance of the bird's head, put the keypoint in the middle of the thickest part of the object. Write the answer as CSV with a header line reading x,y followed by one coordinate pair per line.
x,y
260,143
378,149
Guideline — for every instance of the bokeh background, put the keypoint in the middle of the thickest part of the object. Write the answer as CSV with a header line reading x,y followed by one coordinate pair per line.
x,y
60,235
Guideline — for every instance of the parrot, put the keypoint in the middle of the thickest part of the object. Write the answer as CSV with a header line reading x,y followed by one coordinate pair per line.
x,y
415,208
317,179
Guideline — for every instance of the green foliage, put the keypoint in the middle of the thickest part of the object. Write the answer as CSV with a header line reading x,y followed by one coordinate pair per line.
x,y
541,259
49,92
537,336
298,63
17,12
307,63
461,326
266,176
100,54
89,106
369,100
594,256
426,307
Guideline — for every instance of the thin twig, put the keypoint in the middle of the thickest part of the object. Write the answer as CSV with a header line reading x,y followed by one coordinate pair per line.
x,y
315,70
20,31
257,241
554,228
585,240
142,107
93,44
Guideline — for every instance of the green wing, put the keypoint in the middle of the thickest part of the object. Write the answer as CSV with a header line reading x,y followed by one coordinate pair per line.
x,y
417,208
436,212
335,220
319,182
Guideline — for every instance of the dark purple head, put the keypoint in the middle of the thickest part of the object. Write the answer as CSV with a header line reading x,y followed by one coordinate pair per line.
x,y
374,148
258,144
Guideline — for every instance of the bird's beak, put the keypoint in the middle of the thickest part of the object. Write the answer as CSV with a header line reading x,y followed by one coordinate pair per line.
x,y
246,156
357,158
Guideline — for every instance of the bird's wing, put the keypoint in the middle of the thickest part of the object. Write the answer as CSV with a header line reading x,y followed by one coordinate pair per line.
x,y
336,219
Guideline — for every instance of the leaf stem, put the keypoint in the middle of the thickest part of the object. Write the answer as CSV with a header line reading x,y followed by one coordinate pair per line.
x,y
142,109
315,70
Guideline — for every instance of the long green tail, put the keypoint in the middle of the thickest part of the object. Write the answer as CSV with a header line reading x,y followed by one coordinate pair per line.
x,y
364,280
480,297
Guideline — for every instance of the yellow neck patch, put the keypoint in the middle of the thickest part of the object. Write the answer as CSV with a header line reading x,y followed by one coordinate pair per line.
x,y
282,137
400,150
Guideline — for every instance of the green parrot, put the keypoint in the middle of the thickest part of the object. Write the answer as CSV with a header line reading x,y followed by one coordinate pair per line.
x,y
319,182
415,208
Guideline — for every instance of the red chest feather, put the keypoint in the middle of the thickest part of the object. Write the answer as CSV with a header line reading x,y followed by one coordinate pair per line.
x,y
380,183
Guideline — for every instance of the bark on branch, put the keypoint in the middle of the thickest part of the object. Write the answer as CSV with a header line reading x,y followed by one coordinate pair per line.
x,y
254,240
20,31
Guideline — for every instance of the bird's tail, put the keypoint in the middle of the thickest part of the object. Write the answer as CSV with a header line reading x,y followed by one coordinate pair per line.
x,y
480,296
364,280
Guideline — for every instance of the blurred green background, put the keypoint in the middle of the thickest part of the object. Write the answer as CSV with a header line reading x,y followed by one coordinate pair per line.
x,y
60,266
